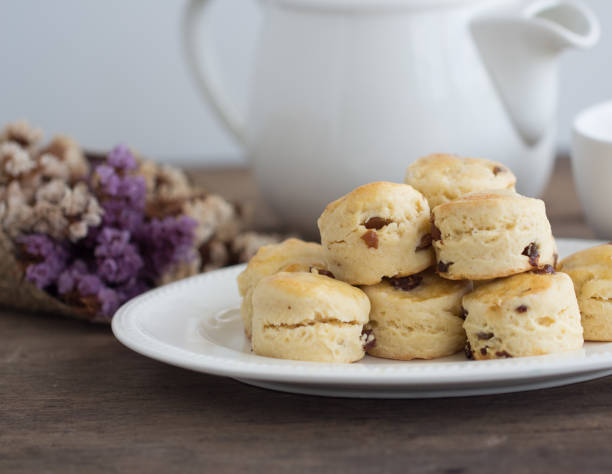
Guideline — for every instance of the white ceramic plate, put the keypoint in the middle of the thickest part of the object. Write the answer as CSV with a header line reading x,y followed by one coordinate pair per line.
x,y
195,324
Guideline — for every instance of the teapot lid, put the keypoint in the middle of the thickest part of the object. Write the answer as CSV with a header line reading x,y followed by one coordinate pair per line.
x,y
371,5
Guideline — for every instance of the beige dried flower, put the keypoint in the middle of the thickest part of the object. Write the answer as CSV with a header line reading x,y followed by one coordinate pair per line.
x,y
47,218
214,254
52,192
15,162
148,169
51,167
246,213
82,209
59,211
229,229
17,214
63,158
246,244
164,183
180,270
22,133
215,217
65,210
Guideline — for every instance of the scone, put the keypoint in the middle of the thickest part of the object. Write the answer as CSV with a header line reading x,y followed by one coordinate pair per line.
x,y
522,315
416,317
292,255
442,178
591,272
378,230
491,234
303,316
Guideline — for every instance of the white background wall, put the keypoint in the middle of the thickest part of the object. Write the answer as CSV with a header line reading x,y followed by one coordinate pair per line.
x,y
114,71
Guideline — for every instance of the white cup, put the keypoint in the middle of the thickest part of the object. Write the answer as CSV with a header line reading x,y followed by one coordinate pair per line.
x,y
592,166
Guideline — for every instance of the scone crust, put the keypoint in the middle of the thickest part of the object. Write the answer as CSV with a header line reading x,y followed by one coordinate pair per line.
x,y
291,255
523,315
591,272
271,259
424,322
491,234
443,178
303,316
364,255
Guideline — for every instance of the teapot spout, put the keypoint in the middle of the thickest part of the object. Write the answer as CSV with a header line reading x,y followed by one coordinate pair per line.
x,y
521,50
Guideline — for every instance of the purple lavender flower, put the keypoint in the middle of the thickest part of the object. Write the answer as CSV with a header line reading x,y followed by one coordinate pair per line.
x,y
117,182
117,258
112,241
128,189
41,274
109,301
47,259
122,158
132,288
167,241
109,180
89,285
65,282
133,189
37,245
123,194
80,284
68,279
118,215
117,250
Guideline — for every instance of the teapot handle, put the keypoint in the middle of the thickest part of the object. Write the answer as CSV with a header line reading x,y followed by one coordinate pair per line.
x,y
206,71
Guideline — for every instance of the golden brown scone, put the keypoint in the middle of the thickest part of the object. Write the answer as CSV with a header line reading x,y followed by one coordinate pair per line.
x,y
522,315
492,234
292,255
416,317
303,316
442,178
378,230
591,272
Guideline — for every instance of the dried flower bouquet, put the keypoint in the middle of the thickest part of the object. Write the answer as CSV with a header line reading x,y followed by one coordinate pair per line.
x,y
81,236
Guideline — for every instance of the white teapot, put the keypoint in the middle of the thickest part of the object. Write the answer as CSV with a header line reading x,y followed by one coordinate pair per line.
x,y
347,92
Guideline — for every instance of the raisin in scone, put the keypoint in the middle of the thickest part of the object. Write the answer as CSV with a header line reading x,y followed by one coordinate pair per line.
x,y
442,178
292,255
522,315
591,272
416,317
303,316
491,234
378,230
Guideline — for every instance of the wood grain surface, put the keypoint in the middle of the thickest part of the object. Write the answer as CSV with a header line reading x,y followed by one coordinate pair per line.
x,y
74,400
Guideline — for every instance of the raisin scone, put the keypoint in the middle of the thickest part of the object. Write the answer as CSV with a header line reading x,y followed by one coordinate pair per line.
x,y
378,230
304,316
591,272
292,255
530,314
442,178
491,234
416,317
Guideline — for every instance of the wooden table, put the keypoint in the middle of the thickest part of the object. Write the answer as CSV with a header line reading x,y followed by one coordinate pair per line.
x,y
72,399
